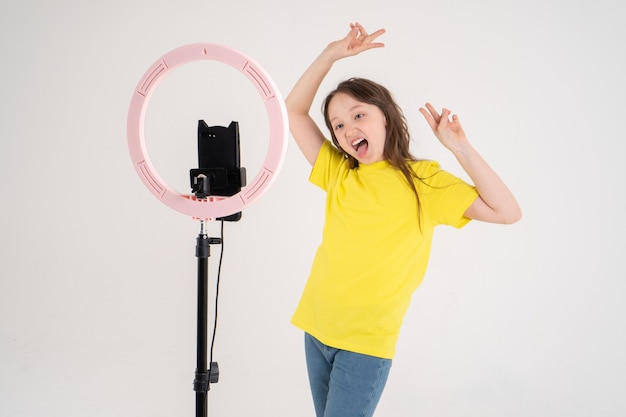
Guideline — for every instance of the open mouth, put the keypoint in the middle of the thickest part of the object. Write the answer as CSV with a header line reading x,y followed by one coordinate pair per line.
x,y
360,146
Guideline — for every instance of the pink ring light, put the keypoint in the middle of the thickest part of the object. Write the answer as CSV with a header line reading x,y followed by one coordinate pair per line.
x,y
212,207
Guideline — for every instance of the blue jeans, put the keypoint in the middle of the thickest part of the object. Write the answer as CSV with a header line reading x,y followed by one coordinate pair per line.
x,y
343,383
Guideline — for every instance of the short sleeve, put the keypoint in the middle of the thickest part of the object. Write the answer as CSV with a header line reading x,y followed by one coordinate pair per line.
x,y
327,165
445,196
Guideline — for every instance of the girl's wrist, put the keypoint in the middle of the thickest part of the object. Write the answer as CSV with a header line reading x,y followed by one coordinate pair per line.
x,y
327,58
461,149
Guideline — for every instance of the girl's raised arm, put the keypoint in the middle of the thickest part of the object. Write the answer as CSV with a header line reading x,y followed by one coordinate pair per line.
x,y
496,203
307,134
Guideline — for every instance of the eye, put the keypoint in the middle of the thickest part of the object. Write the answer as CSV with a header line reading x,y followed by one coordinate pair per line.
x,y
339,126
359,116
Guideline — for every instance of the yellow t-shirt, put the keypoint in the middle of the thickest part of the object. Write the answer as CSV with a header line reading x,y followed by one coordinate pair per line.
x,y
373,253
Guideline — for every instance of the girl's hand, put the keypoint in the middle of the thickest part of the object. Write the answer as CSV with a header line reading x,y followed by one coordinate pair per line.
x,y
448,130
354,43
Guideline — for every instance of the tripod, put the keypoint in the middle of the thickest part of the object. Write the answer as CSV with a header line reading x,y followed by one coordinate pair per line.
x,y
205,375
220,174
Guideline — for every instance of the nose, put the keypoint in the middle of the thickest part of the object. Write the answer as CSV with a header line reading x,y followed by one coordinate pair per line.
x,y
350,130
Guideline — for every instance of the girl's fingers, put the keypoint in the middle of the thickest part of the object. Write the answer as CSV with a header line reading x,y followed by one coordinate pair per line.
x,y
429,118
433,112
354,32
363,33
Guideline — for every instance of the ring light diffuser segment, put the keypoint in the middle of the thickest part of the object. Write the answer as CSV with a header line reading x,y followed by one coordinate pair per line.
x,y
212,207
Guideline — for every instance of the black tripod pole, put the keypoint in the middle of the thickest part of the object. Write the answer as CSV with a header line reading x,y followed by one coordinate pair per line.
x,y
204,375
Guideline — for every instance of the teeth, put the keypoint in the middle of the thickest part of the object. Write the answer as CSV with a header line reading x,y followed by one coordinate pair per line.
x,y
356,143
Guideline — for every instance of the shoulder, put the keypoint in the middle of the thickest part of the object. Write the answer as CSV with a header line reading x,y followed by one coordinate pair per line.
x,y
328,165
330,155
431,174
425,167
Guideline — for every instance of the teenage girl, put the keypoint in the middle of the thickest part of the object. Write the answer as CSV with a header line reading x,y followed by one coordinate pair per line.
x,y
381,210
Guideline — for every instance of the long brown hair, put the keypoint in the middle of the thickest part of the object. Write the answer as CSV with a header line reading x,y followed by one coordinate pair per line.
x,y
397,140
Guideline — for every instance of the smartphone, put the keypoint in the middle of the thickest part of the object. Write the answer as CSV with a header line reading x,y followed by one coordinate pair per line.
x,y
219,154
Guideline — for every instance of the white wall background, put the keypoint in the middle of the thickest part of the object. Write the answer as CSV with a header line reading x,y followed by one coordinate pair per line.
x,y
98,279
